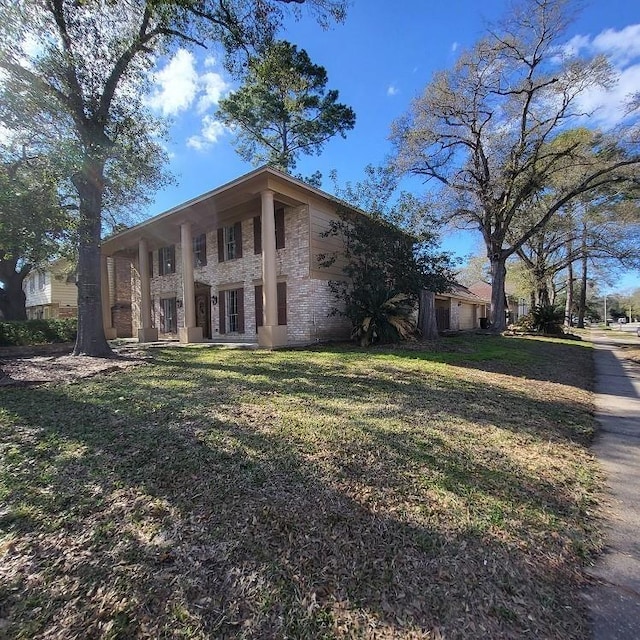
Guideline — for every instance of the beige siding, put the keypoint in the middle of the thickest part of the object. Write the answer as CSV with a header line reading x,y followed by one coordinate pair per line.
x,y
466,316
320,222
63,292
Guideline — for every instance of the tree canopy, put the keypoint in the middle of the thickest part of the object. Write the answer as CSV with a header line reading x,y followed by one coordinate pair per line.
x,y
33,223
283,108
487,134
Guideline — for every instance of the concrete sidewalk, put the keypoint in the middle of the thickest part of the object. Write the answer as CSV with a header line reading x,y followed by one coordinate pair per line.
x,y
614,600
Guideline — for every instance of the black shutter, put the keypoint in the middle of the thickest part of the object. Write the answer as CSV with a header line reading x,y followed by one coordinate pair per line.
x,y
222,308
240,293
257,235
238,235
151,264
282,302
259,307
280,229
221,245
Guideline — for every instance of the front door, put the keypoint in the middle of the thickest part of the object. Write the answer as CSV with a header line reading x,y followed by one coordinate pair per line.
x,y
203,313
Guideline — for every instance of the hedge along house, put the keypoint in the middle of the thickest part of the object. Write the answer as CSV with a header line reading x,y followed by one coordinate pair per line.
x,y
236,264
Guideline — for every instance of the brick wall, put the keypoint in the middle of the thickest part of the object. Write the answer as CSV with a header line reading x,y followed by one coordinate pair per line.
x,y
308,300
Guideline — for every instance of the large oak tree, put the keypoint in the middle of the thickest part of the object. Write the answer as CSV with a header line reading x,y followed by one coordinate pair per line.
x,y
486,133
87,64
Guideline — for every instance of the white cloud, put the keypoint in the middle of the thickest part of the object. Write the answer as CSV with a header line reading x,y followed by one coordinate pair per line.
x,y
620,46
622,49
177,85
213,86
454,47
392,90
212,131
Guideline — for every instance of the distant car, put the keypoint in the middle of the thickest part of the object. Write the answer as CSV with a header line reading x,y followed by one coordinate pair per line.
x,y
638,332
622,320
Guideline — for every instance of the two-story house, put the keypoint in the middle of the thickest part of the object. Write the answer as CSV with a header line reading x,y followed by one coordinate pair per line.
x,y
51,292
239,263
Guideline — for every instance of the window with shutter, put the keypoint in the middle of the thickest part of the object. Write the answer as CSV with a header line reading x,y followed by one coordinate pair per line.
x,y
168,315
200,250
257,231
281,293
279,228
282,303
230,242
259,307
231,303
257,235
167,260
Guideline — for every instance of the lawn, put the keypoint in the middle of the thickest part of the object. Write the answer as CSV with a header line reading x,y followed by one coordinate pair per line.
x,y
323,493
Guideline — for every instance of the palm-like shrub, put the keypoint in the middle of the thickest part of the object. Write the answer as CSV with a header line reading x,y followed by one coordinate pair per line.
x,y
382,316
547,319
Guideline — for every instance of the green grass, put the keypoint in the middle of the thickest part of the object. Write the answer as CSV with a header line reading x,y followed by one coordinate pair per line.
x,y
318,493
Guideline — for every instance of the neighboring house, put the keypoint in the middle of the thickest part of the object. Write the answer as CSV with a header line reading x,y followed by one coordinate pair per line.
x,y
460,309
239,263
516,305
51,292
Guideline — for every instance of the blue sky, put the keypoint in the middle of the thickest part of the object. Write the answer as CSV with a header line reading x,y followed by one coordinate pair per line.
x,y
379,59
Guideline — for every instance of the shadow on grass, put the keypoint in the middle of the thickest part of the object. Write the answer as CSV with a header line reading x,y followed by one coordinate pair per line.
x,y
201,508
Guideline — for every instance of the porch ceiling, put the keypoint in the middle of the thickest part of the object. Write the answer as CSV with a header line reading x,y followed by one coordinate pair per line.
x,y
209,211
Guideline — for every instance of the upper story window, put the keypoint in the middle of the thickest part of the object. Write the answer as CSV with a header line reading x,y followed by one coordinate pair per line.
x,y
167,260
32,284
230,242
200,250
42,280
257,231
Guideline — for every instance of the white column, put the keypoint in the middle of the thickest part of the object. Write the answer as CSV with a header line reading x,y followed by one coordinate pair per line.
x,y
270,334
146,333
107,323
188,333
269,287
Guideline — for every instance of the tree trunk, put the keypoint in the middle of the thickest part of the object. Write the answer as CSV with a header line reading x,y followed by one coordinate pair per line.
x,y
568,307
12,298
91,340
427,324
544,299
582,303
498,297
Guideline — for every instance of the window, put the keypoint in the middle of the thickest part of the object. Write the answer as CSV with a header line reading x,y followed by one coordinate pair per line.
x,y
167,260
231,306
168,315
32,284
230,242
257,231
42,279
279,228
200,250
281,293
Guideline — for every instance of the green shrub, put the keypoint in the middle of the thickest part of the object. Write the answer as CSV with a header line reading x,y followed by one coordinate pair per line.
x,y
30,332
547,319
